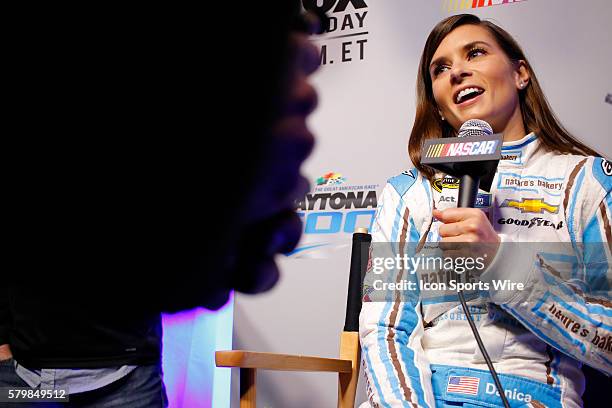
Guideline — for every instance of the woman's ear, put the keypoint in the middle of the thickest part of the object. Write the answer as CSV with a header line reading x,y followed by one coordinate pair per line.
x,y
521,75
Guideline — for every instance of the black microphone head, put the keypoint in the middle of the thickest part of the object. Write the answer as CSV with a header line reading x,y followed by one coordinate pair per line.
x,y
475,127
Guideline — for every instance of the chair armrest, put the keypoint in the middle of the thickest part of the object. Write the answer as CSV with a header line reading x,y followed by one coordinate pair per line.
x,y
281,362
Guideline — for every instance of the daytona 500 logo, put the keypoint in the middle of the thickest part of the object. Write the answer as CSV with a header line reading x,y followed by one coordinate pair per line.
x,y
361,206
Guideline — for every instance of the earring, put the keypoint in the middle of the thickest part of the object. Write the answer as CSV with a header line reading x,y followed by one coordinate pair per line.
x,y
522,85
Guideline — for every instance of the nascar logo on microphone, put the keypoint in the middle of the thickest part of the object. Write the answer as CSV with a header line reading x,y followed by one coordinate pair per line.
x,y
461,149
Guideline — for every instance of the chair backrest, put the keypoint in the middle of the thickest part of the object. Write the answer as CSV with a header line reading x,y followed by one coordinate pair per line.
x,y
349,339
359,263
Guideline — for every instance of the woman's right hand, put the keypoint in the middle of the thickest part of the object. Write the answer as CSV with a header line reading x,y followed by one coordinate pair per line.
x,y
5,352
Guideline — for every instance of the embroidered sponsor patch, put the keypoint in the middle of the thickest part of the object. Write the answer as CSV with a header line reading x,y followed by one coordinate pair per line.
x,y
531,205
606,166
483,200
440,184
514,157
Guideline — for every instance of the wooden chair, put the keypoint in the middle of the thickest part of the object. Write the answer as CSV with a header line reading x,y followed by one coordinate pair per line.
x,y
347,366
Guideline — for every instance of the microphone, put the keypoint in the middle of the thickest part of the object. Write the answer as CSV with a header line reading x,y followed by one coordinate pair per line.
x,y
469,183
475,127
472,157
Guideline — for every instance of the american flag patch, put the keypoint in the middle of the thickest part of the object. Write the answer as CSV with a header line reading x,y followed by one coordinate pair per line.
x,y
463,385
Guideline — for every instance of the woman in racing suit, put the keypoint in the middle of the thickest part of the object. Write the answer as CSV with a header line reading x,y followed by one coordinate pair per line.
x,y
549,188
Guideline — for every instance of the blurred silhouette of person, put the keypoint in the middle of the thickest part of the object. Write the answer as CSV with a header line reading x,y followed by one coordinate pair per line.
x,y
158,171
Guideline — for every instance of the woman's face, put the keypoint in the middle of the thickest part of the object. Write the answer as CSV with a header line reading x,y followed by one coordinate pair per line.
x,y
472,78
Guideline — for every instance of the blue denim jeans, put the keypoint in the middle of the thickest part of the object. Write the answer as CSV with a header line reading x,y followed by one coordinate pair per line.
x,y
142,388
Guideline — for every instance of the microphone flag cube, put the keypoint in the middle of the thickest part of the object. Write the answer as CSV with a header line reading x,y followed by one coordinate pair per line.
x,y
477,156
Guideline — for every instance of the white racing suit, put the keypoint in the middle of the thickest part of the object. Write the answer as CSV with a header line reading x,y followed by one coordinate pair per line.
x,y
421,352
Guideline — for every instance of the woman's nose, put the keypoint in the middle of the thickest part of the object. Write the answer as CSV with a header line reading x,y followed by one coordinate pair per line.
x,y
458,72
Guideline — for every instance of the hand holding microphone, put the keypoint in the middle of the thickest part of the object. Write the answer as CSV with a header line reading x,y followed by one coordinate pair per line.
x,y
473,158
469,225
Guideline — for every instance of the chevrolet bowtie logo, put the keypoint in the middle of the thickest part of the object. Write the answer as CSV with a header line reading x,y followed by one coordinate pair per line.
x,y
531,205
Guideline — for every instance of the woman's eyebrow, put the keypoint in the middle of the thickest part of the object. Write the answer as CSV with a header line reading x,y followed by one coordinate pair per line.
x,y
471,45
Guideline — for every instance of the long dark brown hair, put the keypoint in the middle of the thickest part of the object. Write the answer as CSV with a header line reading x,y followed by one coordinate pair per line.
x,y
537,114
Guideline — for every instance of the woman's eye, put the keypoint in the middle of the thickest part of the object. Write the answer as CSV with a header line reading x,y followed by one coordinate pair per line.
x,y
476,52
439,69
